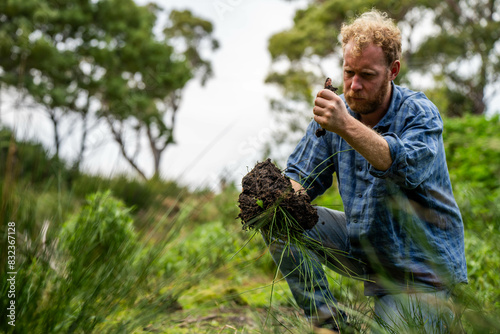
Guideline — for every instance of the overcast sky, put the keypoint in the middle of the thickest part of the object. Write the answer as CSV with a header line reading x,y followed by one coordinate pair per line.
x,y
220,127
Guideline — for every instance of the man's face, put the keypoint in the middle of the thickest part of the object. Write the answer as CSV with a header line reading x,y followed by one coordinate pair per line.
x,y
366,80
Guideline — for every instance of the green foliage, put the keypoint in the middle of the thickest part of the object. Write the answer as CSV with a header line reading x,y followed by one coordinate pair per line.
x,y
208,246
135,193
466,38
295,82
472,148
94,269
482,257
28,160
92,262
106,229
71,56
46,273
196,34
99,244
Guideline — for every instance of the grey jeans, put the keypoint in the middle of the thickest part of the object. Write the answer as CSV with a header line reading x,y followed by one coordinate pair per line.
x,y
327,244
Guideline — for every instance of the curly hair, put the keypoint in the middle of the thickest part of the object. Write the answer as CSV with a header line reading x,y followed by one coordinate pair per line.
x,y
373,27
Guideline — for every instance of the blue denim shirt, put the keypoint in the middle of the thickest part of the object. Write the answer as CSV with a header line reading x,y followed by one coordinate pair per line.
x,y
403,222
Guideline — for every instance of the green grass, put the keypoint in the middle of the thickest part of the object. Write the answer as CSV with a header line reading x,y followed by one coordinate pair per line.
x,y
197,264
128,260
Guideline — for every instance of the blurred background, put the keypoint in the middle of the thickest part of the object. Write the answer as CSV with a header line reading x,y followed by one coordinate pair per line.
x,y
222,108
126,127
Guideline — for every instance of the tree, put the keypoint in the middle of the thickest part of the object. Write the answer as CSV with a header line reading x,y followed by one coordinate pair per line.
x,y
155,85
34,60
438,39
463,54
103,60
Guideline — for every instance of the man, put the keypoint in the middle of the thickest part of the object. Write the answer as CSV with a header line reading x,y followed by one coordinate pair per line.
x,y
401,232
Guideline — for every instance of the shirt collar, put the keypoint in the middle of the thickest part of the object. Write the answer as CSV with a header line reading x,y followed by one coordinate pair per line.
x,y
384,124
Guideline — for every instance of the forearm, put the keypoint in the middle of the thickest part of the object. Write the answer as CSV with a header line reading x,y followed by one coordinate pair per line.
x,y
331,113
372,146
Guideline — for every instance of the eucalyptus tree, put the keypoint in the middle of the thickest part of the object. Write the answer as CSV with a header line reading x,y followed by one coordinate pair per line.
x,y
149,73
463,54
105,60
36,59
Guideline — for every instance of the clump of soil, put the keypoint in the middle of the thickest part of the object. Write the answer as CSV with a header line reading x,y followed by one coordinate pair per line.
x,y
265,188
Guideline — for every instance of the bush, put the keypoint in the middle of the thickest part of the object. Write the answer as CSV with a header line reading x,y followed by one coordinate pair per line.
x,y
83,282
29,161
472,148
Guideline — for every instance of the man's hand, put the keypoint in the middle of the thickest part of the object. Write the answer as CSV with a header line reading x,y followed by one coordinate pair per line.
x,y
330,111
328,85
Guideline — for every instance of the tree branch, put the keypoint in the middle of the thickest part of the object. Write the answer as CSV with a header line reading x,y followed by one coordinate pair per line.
x,y
118,136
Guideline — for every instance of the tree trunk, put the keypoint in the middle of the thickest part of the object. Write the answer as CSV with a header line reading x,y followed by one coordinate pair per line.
x,y
83,139
55,125
118,136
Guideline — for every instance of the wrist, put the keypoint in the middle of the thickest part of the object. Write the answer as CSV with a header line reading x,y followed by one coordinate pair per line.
x,y
348,127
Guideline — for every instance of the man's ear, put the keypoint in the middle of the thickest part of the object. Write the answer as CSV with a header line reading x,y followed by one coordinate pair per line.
x,y
394,69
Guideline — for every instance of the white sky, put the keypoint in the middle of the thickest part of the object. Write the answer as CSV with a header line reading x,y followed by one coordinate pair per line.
x,y
220,127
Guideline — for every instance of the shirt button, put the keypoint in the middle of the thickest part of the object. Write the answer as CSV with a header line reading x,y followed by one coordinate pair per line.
x,y
360,195
355,221
360,168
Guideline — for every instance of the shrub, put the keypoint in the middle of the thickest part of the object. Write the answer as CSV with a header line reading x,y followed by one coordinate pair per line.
x,y
100,245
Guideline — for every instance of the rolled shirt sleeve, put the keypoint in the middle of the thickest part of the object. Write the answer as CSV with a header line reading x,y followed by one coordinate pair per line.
x,y
415,148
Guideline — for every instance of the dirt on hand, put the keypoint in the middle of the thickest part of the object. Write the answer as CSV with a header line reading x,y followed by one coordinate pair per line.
x,y
264,189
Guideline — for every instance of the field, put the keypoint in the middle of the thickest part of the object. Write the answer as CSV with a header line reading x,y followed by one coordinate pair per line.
x,y
117,255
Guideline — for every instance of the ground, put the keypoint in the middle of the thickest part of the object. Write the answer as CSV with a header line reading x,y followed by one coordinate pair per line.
x,y
254,305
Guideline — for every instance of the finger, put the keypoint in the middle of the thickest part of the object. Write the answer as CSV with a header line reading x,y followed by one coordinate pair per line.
x,y
321,102
320,120
318,111
326,93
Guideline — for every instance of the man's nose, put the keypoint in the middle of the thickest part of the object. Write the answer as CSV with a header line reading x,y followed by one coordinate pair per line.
x,y
356,83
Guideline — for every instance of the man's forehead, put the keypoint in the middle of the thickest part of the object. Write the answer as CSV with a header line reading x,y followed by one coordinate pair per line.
x,y
370,55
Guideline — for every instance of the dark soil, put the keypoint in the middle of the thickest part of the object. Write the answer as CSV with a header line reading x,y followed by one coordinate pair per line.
x,y
328,85
264,188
